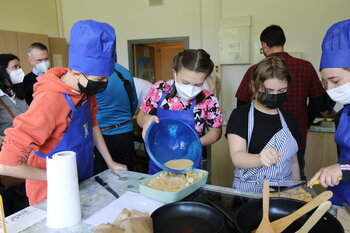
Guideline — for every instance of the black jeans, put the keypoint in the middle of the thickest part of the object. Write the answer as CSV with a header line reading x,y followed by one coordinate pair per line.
x,y
122,149
301,161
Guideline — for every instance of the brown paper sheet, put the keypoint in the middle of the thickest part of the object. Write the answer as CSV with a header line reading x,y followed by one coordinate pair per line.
x,y
132,221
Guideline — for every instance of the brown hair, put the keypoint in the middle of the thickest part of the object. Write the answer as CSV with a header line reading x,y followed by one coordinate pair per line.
x,y
270,67
197,60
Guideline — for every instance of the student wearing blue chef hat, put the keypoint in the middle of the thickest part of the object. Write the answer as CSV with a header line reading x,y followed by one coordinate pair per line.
x,y
62,116
335,71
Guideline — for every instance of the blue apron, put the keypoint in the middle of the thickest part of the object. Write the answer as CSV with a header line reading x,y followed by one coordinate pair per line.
x,y
341,192
77,138
184,115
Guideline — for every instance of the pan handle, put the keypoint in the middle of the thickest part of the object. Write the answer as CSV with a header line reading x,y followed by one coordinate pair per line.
x,y
222,209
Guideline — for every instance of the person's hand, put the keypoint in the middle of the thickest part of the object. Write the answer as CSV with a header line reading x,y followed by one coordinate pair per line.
x,y
148,123
117,166
328,176
269,156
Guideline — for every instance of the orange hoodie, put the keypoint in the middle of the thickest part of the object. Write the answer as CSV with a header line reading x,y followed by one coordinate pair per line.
x,y
42,127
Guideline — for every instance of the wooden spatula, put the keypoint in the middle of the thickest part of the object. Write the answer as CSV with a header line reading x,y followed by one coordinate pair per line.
x,y
265,225
313,219
282,223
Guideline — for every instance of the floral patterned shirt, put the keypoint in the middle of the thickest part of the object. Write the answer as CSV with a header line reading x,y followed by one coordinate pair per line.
x,y
206,113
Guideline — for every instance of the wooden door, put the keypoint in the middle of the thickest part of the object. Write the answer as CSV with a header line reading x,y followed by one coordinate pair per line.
x,y
153,61
144,61
165,53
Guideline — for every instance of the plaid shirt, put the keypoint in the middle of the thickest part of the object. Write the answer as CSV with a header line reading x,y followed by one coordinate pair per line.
x,y
305,83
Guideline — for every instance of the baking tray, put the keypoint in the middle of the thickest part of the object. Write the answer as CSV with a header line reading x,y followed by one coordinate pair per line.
x,y
169,197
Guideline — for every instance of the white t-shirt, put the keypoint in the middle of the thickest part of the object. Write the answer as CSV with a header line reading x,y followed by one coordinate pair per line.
x,y
142,87
206,85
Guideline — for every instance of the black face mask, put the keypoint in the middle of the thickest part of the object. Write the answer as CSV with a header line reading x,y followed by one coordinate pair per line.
x,y
273,101
92,87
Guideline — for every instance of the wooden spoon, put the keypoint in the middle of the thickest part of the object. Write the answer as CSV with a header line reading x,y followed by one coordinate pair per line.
x,y
282,223
265,224
313,219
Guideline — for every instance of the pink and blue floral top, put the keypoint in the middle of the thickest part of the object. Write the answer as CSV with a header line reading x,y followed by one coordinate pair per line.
x,y
206,113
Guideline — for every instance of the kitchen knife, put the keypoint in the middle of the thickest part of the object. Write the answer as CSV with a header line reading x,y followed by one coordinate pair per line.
x,y
318,182
289,185
105,185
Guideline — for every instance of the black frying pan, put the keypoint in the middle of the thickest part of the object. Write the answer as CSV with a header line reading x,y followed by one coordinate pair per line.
x,y
187,217
249,215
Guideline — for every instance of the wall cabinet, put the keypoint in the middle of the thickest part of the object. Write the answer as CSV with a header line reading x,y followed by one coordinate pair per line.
x,y
8,42
221,167
24,40
17,43
321,151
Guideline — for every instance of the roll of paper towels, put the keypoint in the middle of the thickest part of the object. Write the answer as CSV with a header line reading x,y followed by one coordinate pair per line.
x,y
63,200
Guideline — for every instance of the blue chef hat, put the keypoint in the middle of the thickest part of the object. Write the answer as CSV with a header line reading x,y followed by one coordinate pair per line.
x,y
92,48
336,46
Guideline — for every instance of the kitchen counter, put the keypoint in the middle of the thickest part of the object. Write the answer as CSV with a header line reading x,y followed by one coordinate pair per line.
x,y
94,197
323,126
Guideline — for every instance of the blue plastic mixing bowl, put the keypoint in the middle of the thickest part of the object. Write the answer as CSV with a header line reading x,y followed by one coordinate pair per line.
x,y
172,139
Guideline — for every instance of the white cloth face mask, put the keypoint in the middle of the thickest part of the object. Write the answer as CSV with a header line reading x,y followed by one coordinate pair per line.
x,y
187,92
340,94
17,76
43,66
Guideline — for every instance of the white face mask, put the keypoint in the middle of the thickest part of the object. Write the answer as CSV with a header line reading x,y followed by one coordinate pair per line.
x,y
187,92
17,76
340,94
43,66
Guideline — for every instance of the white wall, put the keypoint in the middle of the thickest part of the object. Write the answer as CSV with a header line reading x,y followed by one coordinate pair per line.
x,y
34,16
135,19
304,23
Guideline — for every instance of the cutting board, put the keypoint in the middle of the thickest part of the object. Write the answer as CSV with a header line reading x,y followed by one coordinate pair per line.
x,y
344,219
